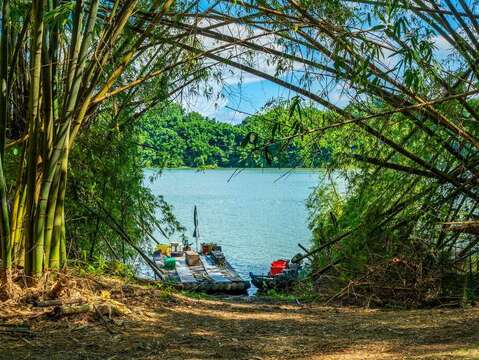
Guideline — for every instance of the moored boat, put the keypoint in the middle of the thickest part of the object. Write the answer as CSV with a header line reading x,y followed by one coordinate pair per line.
x,y
206,271
282,276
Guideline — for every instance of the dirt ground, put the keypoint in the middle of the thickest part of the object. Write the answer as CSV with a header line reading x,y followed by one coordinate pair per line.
x,y
179,327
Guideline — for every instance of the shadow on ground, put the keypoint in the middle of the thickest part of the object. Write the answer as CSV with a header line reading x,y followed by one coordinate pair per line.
x,y
209,329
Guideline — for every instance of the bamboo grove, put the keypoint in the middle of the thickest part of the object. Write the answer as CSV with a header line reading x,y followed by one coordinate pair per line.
x,y
62,64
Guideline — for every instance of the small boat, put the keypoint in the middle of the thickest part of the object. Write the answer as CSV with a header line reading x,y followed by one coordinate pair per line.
x,y
206,271
282,276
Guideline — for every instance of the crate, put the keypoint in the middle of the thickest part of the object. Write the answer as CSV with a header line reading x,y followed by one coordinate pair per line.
x,y
192,258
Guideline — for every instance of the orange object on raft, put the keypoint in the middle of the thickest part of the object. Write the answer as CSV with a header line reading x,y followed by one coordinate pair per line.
x,y
278,266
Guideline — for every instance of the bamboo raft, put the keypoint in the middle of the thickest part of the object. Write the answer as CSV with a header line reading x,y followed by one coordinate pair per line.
x,y
208,276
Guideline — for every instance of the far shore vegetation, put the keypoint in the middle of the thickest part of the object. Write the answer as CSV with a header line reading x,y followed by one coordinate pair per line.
x,y
174,138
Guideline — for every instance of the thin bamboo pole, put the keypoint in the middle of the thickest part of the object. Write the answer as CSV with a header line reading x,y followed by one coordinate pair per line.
x,y
6,252
19,234
4,62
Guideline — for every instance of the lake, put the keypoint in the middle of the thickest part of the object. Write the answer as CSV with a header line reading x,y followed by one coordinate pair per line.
x,y
257,216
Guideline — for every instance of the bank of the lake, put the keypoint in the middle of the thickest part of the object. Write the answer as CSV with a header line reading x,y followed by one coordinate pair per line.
x,y
257,215
160,324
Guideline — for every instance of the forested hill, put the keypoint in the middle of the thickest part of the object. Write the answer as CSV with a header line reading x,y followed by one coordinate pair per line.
x,y
173,137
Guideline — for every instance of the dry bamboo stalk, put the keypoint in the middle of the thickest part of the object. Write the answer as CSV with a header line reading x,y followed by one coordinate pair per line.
x,y
66,310
58,302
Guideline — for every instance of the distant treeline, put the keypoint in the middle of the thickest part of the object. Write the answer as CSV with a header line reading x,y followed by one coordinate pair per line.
x,y
173,137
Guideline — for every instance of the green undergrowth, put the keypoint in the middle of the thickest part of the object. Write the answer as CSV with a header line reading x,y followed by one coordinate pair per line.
x,y
101,266
302,292
197,295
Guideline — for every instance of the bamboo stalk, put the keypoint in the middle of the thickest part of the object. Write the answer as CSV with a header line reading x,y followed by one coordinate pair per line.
x,y
52,205
6,245
4,62
34,125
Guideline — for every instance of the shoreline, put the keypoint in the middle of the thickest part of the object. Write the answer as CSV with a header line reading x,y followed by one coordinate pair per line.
x,y
234,168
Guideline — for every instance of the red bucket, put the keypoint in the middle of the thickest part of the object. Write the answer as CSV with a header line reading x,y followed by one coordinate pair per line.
x,y
278,266
205,249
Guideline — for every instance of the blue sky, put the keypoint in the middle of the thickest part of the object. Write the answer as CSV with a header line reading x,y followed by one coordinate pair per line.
x,y
240,97
249,94
248,98
244,94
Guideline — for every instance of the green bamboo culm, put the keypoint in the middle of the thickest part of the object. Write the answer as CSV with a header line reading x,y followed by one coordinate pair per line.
x,y
52,205
18,231
6,245
61,204
6,248
4,62
34,142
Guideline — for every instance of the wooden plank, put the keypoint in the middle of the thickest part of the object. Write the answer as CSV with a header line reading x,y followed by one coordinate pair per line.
x,y
213,271
232,274
184,272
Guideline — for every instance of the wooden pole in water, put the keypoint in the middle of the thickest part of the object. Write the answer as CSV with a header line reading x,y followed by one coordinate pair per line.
x,y
196,232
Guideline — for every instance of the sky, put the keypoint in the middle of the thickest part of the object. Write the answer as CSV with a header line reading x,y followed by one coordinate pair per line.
x,y
239,98
242,93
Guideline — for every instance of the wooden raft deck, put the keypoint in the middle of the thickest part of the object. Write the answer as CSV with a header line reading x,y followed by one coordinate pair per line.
x,y
184,272
207,276
213,271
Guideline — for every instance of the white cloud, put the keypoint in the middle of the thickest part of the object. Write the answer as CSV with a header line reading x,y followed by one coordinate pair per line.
x,y
443,48
206,105
214,105
261,61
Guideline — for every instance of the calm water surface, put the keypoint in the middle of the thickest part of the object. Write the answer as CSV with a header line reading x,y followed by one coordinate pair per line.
x,y
256,217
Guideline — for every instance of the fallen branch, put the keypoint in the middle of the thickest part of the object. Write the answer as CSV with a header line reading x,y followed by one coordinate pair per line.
x,y
58,302
326,268
16,330
109,309
104,321
66,310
